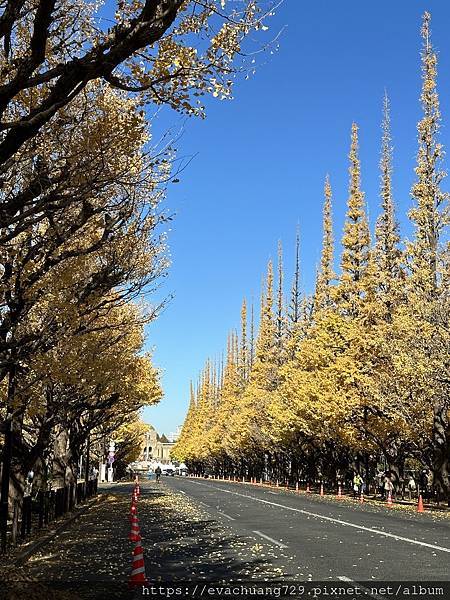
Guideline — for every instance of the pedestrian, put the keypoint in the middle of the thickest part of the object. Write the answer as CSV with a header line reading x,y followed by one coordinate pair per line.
x,y
158,474
411,486
380,484
388,486
29,483
356,485
423,484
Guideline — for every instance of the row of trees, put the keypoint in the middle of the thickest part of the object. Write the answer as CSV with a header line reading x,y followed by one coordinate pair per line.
x,y
358,372
81,223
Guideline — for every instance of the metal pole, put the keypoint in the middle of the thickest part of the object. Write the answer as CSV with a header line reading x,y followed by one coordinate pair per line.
x,y
6,474
6,464
87,465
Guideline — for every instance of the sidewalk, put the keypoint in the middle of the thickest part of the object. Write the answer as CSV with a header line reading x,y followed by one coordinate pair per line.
x,y
181,542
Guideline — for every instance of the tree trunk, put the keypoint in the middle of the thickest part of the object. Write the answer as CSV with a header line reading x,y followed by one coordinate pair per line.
x,y
441,444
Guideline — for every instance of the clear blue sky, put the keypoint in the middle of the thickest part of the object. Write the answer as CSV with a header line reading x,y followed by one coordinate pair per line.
x,y
261,161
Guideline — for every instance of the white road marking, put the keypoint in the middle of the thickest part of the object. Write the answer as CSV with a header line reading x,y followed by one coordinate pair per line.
x,y
225,515
364,589
274,493
181,492
332,520
210,507
266,537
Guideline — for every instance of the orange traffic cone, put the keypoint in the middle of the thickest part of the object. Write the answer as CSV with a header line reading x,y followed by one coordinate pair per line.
x,y
420,504
133,511
137,490
389,500
321,489
296,487
278,483
339,494
135,535
137,576
361,498
308,491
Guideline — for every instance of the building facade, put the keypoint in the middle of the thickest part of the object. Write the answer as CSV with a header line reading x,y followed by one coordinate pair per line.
x,y
156,448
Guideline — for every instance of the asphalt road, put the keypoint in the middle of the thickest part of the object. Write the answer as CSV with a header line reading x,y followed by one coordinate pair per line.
x,y
329,538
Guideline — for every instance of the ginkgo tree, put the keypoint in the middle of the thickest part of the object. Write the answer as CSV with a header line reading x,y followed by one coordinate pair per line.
x,y
80,215
364,382
167,51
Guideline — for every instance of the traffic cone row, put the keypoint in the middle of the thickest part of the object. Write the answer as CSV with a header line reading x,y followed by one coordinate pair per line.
x,y
254,481
137,576
135,534
133,506
133,512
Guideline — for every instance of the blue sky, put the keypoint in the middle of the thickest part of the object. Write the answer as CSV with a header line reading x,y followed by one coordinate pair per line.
x,y
260,163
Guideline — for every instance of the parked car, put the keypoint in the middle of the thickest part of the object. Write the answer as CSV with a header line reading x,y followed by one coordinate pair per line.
x,y
168,471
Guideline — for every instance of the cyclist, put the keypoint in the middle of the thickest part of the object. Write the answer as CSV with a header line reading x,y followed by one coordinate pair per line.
x,y
158,474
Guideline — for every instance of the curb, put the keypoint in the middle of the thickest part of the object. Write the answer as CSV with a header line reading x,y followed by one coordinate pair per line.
x,y
32,547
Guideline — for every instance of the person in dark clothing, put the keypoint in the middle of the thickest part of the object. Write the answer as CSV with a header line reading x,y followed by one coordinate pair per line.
x,y
158,473
423,484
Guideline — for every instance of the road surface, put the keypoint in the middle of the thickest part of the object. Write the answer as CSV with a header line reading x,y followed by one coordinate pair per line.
x,y
325,537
